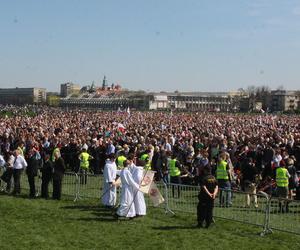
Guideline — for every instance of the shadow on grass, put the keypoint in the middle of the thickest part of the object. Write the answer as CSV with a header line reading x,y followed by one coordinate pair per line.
x,y
103,219
107,218
20,196
86,208
103,213
166,228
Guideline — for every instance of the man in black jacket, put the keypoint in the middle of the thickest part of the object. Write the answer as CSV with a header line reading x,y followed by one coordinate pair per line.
x,y
58,173
34,163
249,177
47,171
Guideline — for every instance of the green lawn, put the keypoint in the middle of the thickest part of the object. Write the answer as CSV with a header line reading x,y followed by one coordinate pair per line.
x,y
48,224
188,203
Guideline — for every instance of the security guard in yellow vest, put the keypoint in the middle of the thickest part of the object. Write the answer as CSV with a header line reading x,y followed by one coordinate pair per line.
x,y
145,157
84,158
222,177
282,183
222,173
175,174
120,160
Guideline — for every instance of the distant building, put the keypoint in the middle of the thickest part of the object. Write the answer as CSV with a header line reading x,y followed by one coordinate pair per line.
x,y
284,100
107,98
69,88
20,96
158,102
194,101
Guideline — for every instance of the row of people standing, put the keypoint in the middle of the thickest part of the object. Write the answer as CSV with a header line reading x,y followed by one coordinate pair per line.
x,y
52,169
13,164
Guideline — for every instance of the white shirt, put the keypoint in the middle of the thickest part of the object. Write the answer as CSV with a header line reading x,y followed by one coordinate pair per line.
x,y
2,161
20,162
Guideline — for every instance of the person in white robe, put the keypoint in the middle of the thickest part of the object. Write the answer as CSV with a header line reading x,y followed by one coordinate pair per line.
x,y
129,189
138,175
109,196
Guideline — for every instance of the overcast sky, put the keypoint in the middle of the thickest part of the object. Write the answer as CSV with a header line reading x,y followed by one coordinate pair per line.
x,y
186,45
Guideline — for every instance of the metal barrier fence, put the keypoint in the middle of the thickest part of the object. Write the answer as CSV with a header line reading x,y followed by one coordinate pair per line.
x,y
185,199
284,215
270,212
264,211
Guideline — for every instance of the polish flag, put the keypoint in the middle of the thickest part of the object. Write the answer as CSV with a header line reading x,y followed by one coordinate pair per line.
x,y
121,128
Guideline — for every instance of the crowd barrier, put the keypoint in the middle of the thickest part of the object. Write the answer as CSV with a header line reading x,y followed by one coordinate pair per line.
x,y
271,213
284,215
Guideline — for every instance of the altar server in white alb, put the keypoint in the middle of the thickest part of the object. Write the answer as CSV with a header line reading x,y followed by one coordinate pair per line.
x,y
129,189
109,195
137,175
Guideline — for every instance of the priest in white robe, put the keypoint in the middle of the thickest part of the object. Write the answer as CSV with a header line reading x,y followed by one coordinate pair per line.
x,y
129,189
138,175
109,196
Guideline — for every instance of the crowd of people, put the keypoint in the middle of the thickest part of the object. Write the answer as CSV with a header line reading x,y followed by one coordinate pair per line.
x,y
247,152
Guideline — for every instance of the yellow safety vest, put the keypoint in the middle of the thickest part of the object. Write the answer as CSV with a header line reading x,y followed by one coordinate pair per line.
x,y
84,160
174,171
120,161
144,157
222,171
282,179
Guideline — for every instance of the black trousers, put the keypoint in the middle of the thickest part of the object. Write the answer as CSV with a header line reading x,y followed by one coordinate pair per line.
x,y
96,167
57,188
7,178
17,175
45,187
175,180
205,212
83,176
31,185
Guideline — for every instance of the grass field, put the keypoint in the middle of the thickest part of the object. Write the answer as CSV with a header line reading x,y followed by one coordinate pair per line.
x,y
188,202
48,224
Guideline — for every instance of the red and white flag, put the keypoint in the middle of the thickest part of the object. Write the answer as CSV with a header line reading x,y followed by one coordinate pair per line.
x,y
155,195
121,128
147,180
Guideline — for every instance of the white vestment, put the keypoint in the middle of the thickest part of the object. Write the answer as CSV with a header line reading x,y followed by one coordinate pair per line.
x,y
129,188
109,192
139,200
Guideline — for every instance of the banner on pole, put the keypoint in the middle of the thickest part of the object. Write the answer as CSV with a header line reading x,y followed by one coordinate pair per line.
x,y
147,180
155,195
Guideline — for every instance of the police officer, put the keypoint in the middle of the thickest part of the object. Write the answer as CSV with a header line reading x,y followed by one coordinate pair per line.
x,y
282,183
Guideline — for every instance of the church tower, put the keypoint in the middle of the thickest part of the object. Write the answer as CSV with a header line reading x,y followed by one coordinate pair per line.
x,y
104,83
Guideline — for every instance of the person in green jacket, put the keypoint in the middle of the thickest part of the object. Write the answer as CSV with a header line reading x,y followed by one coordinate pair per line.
x,y
84,158
282,183
175,174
